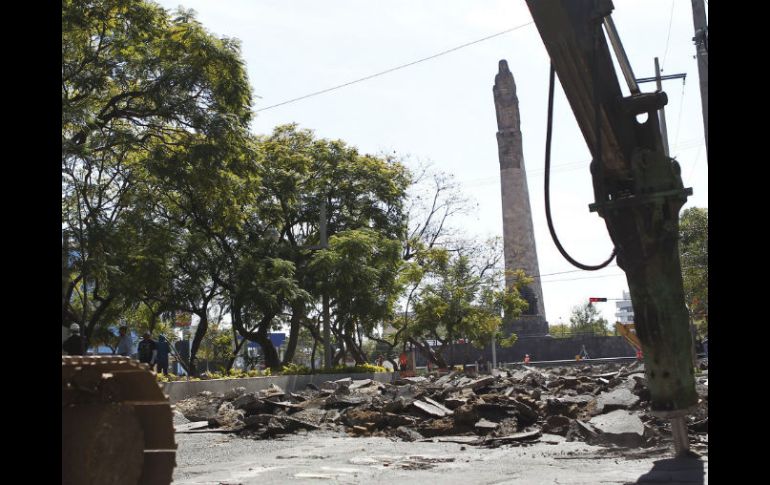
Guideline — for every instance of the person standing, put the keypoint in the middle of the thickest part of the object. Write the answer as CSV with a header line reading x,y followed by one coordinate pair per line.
x,y
583,353
74,343
148,350
125,344
163,349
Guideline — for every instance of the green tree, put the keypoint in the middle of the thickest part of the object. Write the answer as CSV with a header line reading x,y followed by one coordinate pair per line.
x,y
359,272
269,273
560,330
693,252
586,319
463,297
154,116
217,345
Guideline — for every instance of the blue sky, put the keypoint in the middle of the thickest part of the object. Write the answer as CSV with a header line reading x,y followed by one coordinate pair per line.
x,y
442,111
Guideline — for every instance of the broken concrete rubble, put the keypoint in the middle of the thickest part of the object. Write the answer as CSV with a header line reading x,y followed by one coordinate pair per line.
x,y
557,424
621,398
619,427
598,404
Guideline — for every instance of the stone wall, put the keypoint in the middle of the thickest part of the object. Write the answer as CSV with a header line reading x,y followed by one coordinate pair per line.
x,y
184,389
543,348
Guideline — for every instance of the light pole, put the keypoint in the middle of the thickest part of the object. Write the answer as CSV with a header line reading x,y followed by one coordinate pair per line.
x,y
324,243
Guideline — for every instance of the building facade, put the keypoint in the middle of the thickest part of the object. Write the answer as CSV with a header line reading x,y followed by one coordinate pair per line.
x,y
624,309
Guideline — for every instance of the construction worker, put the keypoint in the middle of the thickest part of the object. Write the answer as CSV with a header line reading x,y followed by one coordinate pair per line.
x,y
163,349
583,353
148,350
74,344
125,344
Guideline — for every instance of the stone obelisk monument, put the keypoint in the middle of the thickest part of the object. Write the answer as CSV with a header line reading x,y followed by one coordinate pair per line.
x,y
518,235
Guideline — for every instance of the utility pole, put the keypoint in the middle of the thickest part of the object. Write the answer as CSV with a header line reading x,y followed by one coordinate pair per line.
x,y
662,110
494,353
326,332
701,40
324,243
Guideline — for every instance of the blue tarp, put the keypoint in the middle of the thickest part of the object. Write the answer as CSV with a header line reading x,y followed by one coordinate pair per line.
x,y
277,338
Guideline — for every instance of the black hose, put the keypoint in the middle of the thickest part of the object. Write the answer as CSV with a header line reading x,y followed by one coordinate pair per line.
x,y
548,176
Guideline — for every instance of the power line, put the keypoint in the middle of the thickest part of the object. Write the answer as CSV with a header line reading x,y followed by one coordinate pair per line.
x,y
585,278
565,167
569,166
570,271
697,158
395,68
614,265
679,118
668,36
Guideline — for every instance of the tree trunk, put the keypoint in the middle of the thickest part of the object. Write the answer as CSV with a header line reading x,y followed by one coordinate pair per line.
x,y
94,320
297,314
426,351
271,355
153,319
200,332
354,350
260,336
238,347
312,356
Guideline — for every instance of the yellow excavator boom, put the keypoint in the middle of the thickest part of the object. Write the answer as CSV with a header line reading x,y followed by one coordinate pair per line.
x,y
628,331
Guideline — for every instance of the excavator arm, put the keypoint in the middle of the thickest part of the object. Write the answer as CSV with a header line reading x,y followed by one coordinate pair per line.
x,y
629,333
638,189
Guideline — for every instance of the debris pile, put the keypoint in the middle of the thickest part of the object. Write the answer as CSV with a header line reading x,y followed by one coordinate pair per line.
x,y
600,404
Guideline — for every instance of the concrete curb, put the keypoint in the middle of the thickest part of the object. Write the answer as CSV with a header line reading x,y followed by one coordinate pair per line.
x,y
182,389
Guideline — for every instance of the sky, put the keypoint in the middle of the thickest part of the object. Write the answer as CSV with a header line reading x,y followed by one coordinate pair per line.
x,y
441,111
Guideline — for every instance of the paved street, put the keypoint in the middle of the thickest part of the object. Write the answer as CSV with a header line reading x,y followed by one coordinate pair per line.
x,y
222,459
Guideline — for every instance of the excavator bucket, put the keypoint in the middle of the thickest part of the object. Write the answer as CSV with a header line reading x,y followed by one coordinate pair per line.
x,y
117,426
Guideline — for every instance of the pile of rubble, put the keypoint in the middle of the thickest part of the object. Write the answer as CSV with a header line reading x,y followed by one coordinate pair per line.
x,y
605,405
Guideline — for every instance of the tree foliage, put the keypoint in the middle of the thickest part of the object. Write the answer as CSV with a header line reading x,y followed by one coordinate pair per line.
x,y
170,204
693,253
559,330
587,319
154,113
458,296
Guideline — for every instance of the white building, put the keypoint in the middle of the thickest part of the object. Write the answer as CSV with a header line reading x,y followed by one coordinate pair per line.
x,y
625,311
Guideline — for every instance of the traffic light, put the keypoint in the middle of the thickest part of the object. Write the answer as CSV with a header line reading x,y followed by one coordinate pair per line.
x,y
594,299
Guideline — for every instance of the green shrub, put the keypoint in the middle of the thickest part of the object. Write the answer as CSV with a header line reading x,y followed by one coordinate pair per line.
x,y
295,369
173,378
